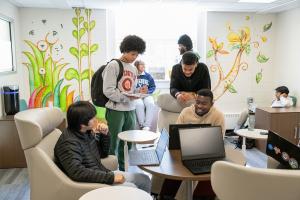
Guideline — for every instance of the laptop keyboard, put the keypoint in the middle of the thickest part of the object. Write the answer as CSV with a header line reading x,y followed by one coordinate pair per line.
x,y
199,166
143,156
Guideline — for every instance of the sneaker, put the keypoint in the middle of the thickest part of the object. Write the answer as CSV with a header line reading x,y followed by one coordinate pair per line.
x,y
146,128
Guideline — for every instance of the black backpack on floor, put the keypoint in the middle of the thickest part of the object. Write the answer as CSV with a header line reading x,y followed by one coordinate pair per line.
x,y
98,97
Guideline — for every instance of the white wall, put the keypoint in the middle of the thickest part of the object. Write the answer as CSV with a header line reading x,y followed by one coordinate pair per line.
x,y
13,78
287,51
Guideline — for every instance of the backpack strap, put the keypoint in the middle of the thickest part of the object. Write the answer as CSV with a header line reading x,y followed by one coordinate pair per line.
x,y
121,69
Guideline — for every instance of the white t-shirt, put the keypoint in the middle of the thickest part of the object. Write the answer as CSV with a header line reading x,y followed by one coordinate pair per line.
x,y
282,102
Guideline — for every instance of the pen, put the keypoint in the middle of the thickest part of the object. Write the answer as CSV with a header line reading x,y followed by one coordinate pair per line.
x,y
151,145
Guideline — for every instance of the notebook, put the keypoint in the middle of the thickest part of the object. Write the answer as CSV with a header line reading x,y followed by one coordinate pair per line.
x,y
174,135
151,156
285,152
201,147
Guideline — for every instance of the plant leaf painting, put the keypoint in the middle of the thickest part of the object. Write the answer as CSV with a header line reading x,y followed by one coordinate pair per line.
x,y
258,77
231,89
267,27
262,58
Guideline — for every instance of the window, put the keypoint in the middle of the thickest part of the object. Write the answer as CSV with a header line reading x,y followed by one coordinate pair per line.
x,y
160,27
7,54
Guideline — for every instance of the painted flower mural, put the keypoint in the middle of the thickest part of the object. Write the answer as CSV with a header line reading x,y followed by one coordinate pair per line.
x,y
239,43
50,77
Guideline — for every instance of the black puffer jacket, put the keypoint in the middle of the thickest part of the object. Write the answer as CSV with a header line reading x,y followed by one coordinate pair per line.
x,y
78,155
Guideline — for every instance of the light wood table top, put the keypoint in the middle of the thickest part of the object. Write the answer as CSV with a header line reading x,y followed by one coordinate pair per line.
x,y
254,134
171,166
116,193
138,136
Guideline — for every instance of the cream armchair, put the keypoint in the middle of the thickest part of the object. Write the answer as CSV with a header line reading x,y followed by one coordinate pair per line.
x,y
169,112
235,182
38,135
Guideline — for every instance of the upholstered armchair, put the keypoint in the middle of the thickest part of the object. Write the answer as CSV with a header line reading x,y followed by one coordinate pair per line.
x,y
169,112
38,135
234,182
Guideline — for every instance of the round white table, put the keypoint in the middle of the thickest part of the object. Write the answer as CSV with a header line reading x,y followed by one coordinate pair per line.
x,y
136,137
116,193
253,134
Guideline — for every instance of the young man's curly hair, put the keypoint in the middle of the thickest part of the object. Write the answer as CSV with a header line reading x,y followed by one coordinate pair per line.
x,y
133,43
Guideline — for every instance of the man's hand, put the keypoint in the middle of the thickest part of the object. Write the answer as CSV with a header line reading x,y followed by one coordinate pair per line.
x,y
185,96
144,89
101,127
119,178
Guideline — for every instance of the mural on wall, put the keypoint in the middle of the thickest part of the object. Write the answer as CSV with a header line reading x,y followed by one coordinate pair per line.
x,y
239,42
45,66
83,26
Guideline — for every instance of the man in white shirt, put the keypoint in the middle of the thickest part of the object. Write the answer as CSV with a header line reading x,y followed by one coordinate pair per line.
x,y
281,98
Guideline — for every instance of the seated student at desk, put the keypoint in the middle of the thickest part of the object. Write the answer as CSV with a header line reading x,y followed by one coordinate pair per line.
x,y
202,112
81,146
281,98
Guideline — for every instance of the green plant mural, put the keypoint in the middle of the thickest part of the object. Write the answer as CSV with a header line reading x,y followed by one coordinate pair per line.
x,y
82,26
239,43
48,85
44,81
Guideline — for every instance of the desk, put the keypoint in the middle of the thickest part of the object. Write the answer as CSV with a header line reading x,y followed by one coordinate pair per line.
x,y
136,137
171,167
116,193
12,154
254,134
282,121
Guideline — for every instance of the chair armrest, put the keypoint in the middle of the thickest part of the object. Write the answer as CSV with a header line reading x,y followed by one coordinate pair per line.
x,y
110,162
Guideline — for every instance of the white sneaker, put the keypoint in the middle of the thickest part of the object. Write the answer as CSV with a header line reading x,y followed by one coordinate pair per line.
x,y
146,128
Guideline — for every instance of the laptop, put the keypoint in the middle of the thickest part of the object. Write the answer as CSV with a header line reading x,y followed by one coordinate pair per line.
x,y
174,134
285,152
151,156
201,147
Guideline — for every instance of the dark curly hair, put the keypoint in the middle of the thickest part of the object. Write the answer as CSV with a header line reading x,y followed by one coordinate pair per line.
x,y
206,93
133,43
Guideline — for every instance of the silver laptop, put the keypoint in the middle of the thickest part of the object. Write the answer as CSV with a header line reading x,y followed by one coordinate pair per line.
x,y
201,147
151,156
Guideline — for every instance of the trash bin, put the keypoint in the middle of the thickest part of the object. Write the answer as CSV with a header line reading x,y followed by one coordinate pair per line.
x,y
11,99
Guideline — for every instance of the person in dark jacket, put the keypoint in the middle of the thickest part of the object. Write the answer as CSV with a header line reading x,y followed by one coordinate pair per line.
x,y
81,146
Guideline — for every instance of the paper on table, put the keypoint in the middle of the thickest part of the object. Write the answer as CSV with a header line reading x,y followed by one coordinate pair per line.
x,y
140,95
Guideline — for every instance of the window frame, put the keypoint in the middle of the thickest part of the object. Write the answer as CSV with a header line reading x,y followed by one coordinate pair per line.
x,y
11,23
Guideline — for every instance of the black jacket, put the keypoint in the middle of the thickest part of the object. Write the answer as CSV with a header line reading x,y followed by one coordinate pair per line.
x,y
78,155
200,79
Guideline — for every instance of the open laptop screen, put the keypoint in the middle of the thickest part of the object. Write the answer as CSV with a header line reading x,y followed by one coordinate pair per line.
x,y
198,143
283,151
162,144
174,133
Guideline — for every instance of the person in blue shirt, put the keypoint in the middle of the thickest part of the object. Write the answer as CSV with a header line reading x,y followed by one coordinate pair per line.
x,y
144,106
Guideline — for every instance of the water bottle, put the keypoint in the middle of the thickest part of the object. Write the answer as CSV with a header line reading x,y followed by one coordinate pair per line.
x,y
251,125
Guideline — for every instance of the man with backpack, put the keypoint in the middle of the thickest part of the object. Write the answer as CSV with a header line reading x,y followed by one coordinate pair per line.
x,y
120,112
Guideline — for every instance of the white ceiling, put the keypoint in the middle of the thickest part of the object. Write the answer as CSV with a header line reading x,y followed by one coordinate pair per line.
x,y
210,5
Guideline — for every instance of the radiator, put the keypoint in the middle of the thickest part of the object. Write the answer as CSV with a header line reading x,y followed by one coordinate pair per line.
x,y
231,120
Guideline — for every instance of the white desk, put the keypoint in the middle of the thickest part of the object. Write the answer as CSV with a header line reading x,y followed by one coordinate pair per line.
x,y
116,193
136,137
254,134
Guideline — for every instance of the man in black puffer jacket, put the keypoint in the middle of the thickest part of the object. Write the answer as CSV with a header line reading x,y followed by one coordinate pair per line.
x,y
81,146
